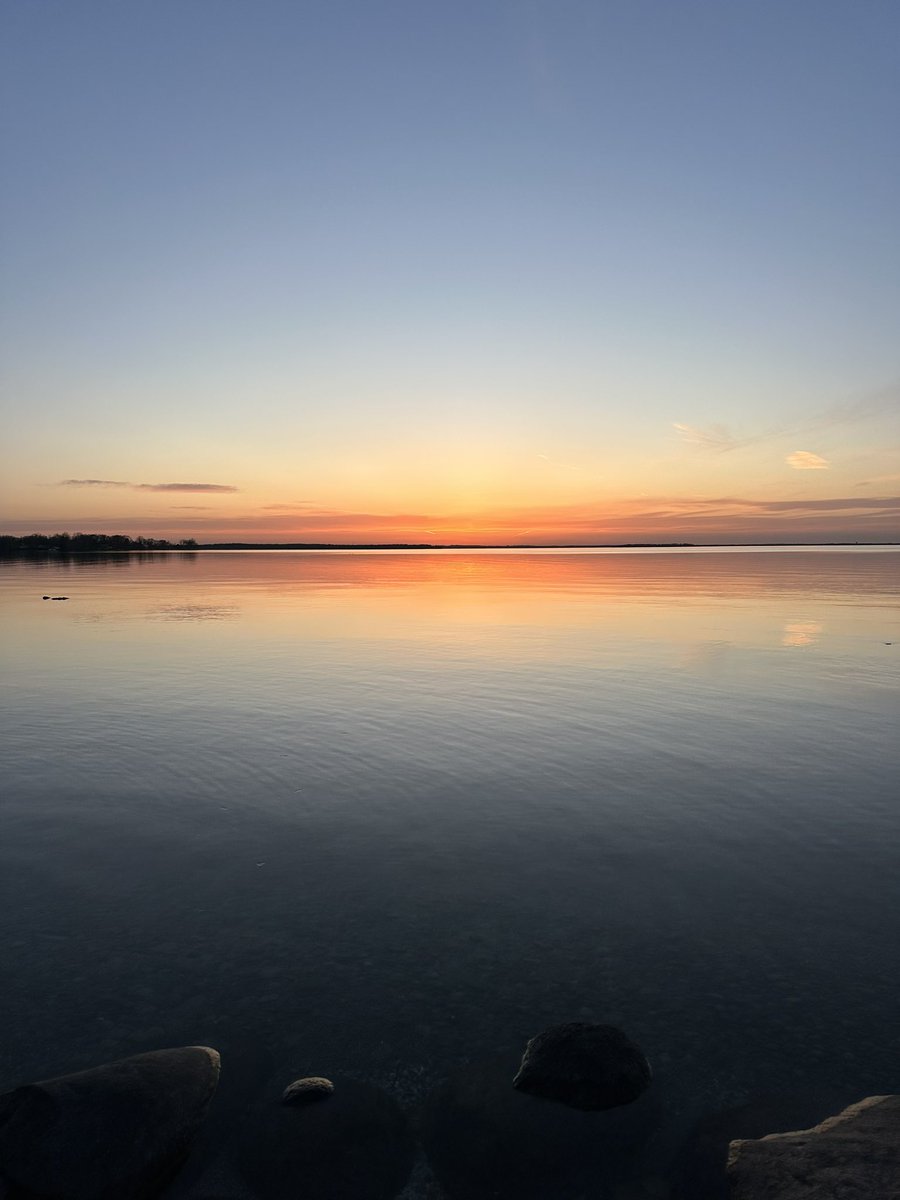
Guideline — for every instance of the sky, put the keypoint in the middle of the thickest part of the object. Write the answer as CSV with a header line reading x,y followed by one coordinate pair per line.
x,y
505,271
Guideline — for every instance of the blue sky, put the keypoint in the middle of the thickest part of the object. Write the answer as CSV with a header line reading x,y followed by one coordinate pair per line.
x,y
395,266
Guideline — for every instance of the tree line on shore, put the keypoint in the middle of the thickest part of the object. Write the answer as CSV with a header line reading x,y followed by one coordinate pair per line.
x,y
86,543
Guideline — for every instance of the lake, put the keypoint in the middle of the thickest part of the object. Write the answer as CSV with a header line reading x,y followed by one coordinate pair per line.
x,y
379,814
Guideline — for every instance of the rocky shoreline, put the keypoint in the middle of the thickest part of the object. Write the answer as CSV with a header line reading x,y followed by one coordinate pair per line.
x,y
574,1120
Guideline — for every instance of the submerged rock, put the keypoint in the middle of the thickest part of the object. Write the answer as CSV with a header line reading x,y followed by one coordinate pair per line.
x,y
487,1141
856,1153
116,1132
586,1066
358,1146
310,1088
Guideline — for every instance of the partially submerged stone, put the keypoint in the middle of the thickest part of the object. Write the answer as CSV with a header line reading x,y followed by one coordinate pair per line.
x,y
589,1067
855,1154
115,1132
310,1088
358,1146
488,1141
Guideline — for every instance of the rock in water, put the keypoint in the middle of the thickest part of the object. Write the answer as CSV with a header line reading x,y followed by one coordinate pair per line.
x,y
699,1167
310,1088
358,1146
855,1154
116,1132
487,1141
586,1066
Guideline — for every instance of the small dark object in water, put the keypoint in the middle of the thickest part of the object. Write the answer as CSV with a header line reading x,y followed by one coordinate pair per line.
x,y
586,1066
358,1146
59,597
45,597
311,1087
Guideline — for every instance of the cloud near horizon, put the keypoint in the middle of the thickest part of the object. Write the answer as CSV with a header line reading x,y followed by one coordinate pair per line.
x,y
148,487
713,520
297,506
805,460
878,479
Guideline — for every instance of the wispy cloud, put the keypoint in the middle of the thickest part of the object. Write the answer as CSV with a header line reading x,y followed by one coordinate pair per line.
x,y
296,506
148,487
805,460
185,487
555,462
192,507
860,409
835,504
718,439
879,479
99,483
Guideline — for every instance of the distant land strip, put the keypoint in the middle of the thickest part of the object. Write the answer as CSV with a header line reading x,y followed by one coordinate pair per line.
x,y
118,543
92,543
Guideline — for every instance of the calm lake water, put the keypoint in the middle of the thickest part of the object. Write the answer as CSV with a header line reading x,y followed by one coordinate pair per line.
x,y
381,814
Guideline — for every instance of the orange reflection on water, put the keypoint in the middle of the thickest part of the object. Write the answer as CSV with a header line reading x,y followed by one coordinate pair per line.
x,y
693,608
802,633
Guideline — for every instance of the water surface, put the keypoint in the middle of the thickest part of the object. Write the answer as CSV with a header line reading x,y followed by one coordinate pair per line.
x,y
383,813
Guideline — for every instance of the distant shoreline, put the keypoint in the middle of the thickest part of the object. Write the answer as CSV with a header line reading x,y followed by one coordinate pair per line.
x,y
66,545
520,545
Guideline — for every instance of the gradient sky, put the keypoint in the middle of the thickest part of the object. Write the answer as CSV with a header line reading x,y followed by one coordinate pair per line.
x,y
363,270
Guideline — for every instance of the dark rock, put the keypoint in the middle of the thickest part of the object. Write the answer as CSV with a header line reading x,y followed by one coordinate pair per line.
x,y
698,1172
855,1154
116,1132
586,1066
487,1141
310,1088
358,1146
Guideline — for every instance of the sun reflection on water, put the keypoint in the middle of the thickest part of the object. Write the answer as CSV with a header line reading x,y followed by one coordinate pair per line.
x,y
802,633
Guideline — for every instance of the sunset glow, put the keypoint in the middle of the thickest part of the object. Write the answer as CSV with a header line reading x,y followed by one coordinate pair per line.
x,y
470,274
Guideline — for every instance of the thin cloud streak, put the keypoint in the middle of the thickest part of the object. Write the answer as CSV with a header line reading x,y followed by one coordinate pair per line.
x,y
297,506
554,462
148,487
878,479
185,487
718,439
99,483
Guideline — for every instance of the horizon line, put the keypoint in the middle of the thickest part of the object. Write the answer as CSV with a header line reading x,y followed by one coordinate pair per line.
x,y
235,545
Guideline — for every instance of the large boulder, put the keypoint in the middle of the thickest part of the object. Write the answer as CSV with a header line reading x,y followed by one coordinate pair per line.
x,y
590,1067
487,1141
116,1132
853,1155
354,1145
